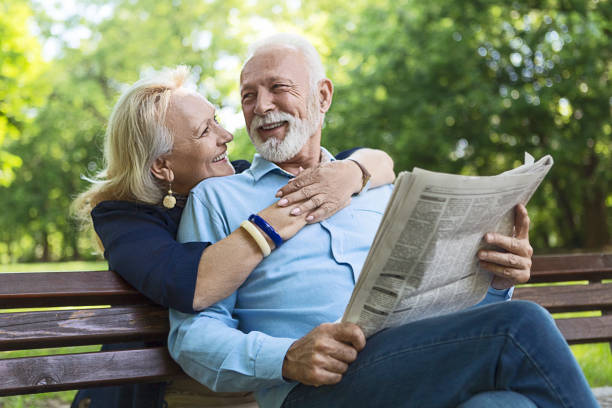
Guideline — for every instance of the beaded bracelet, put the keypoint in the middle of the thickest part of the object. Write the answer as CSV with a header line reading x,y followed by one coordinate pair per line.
x,y
267,228
257,237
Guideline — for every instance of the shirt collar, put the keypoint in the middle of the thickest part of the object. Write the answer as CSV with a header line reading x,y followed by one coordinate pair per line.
x,y
260,166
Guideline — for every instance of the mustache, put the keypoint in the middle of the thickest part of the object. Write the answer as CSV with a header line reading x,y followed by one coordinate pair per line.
x,y
271,117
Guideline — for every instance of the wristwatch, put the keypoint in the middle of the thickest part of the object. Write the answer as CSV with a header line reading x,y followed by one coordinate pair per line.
x,y
365,175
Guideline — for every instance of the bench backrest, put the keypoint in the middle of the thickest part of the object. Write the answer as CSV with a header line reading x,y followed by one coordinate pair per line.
x,y
574,283
104,309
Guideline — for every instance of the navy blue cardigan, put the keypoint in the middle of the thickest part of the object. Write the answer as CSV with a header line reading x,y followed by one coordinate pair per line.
x,y
140,244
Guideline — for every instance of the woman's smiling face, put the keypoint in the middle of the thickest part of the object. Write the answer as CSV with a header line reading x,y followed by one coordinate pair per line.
x,y
200,143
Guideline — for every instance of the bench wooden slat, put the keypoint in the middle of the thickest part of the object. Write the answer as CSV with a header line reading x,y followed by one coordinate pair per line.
x,y
73,371
143,321
48,289
553,268
569,298
586,329
25,330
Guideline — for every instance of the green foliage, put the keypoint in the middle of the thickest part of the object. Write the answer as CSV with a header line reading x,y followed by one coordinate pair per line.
x,y
65,140
448,86
596,363
21,65
467,87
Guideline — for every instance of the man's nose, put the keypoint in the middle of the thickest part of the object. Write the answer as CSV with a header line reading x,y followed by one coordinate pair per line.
x,y
264,103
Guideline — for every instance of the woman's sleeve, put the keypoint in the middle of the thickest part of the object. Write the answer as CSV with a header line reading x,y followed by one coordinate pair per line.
x,y
346,153
240,165
139,247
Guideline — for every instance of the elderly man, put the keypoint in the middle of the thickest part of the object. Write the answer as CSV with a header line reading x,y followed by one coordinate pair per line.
x,y
273,335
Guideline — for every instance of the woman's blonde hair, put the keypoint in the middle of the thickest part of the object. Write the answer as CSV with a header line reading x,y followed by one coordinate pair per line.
x,y
135,137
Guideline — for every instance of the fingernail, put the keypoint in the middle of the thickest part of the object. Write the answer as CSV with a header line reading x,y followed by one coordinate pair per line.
x,y
282,202
295,211
482,254
279,193
309,218
488,236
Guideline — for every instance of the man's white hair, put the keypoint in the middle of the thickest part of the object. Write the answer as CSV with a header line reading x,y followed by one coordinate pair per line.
x,y
313,60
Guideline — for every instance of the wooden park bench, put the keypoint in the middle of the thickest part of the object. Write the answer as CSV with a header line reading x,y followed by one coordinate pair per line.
x,y
128,316
574,283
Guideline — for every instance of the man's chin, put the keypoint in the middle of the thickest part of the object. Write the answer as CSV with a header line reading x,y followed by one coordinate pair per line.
x,y
271,155
274,139
281,148
274,153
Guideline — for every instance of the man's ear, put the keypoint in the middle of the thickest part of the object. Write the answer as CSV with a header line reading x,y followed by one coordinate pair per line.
x,y
161,170
326,92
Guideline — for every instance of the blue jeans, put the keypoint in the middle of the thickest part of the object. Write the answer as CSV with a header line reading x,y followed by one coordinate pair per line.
x,y
498,399
445,361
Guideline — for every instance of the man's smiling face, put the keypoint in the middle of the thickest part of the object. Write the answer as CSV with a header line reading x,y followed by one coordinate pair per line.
x,y
280,108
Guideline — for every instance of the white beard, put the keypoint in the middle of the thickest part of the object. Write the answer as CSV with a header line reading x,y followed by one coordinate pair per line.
x,y
298,133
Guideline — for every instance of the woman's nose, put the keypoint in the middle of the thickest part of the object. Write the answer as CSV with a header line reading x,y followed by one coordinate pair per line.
x,y
225,136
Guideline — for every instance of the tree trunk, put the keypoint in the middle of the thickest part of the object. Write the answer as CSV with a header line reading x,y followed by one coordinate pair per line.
x,y
74,242
595,224
595,217
45,244
567,227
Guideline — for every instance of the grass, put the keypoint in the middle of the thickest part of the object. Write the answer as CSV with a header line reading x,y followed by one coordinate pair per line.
x,y
595,359
596,363
55,267
45,400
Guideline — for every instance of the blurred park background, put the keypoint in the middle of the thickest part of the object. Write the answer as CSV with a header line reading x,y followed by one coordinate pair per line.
x,y
463,87
446,85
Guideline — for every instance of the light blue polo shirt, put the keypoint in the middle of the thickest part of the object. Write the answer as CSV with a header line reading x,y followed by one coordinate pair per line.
x,y
240,342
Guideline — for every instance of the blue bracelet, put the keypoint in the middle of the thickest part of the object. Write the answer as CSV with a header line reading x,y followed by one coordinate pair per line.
x,y
267,228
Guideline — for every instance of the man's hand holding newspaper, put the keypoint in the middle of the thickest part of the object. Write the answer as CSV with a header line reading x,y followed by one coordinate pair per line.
x,y
514,266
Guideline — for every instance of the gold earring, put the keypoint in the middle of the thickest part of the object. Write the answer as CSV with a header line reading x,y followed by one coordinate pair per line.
x,y
169,200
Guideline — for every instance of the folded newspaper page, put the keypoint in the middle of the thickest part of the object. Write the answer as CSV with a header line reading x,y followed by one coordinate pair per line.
x,y
423,262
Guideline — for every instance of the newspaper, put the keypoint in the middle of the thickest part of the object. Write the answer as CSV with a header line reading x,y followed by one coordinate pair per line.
x,y
423,262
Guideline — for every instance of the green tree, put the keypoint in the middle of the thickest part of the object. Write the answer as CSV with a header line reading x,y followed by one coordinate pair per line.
x,y
442,85
21,65
121,40
467,87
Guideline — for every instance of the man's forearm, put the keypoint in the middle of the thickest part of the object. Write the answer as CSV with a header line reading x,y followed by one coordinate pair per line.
x,y
222,357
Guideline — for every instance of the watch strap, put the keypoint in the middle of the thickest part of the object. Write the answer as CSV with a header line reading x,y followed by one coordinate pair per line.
x,y
365,174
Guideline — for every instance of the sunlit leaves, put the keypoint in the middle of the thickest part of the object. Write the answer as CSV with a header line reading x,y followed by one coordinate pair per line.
x,y
453,86
21,65
471,85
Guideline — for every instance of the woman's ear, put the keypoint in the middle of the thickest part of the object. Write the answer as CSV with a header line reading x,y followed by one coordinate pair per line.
x,y
161,170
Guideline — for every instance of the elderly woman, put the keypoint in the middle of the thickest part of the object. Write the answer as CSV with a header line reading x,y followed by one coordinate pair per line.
x,y
163,139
